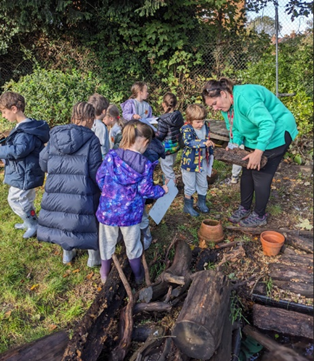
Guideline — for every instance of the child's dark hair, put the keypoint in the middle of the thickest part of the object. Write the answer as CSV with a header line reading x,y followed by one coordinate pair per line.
x,y
137,87
83,113
170,100
10,99
195,112
134,129
99,102
213,88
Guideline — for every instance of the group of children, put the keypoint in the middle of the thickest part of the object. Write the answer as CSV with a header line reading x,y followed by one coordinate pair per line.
x,y
100,172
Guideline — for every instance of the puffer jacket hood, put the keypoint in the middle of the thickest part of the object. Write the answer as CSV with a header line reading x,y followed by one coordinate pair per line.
x,y
38,128
174,119
68,139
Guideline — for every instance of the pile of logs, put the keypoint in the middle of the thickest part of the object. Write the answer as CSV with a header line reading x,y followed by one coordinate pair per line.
x,y
200,307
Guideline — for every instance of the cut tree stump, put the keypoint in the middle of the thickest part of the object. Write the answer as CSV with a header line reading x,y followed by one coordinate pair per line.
x,y
199,326
94,329
234,156
277,351
48,348
283,321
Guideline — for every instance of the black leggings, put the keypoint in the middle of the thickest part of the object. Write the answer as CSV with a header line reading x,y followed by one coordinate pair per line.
x,y
260,181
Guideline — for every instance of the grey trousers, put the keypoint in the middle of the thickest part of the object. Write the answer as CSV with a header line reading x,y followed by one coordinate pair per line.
x,y
108,238
167,165
195,181
21,201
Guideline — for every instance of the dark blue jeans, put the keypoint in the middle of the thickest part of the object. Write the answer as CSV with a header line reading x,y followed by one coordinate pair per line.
x,y
260,181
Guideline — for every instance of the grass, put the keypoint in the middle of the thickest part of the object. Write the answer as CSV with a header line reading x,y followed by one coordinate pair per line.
x,y
38,293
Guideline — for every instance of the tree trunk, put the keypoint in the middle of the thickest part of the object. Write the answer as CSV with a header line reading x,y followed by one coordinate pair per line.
x,y
235,156
277,352
283,321
94,329
199,326
48,348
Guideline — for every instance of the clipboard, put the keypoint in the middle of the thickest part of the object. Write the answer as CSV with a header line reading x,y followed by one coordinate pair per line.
x,y
162,204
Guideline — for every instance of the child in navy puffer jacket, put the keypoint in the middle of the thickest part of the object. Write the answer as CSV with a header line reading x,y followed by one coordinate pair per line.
x,y
126,180
21,156
72,158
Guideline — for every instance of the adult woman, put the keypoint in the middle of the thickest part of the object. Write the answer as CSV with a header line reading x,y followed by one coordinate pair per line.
x,y
255,117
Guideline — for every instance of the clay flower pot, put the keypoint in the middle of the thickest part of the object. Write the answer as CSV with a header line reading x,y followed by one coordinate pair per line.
x,y
211,231
272,242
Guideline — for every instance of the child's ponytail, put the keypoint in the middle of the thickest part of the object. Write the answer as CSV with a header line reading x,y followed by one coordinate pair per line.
x,y
134,129
170,100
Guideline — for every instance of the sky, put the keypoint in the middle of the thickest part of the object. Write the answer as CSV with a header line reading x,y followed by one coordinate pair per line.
x,y
298,25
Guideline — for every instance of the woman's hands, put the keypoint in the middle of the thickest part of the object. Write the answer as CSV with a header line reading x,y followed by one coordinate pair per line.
x,y
254,159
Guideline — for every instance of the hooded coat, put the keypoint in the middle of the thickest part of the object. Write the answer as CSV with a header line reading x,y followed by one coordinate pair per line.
x,y
71,197
21,154
169,125
126,180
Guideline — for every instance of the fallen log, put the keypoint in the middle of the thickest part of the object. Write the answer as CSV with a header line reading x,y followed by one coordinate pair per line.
x,y
300,242
277,351
275,319
223,352
93,330
54,346
235,156
303,260
199,326
152,307
178,273
297,279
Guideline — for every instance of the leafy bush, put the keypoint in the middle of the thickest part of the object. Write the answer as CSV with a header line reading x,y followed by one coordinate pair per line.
x,y
295,76
50,95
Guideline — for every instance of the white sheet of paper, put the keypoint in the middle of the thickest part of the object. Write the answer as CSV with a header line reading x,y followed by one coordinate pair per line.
x,y
210,165
162,204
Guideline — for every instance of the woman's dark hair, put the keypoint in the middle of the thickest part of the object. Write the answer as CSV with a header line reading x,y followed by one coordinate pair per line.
x,y
213,88
170,101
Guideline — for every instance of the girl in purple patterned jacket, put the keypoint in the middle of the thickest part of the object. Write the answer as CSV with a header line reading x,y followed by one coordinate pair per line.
x,y
125,179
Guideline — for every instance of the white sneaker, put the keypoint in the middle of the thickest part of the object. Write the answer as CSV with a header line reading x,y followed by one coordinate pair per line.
x,y
234,180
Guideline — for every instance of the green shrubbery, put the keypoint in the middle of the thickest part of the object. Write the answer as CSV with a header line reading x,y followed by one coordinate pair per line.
x,y
51,94
295,76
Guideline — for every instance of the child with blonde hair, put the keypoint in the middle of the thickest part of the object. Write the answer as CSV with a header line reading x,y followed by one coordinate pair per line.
x,y
169,125
195,158
125,179
136,107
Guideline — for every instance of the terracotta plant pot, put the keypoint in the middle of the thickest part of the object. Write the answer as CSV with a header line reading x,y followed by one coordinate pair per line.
x,y
272,242
211,231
